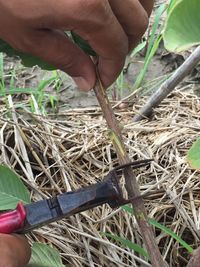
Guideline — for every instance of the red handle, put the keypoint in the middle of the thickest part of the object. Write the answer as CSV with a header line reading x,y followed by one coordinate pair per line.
x,y
12,221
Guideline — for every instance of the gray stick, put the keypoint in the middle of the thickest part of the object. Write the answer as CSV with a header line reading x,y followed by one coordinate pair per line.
x,y
169,85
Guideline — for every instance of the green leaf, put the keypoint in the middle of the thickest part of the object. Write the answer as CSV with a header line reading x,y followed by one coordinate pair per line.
x,y
44,256
182,29
129,244
153,44
128,209
27,60
193,155
164,229
155,27
172,234
83,44
13,91
138,48
12,190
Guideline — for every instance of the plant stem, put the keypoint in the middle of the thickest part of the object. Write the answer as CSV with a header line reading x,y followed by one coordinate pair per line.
x,y
130,179
195,259
169,85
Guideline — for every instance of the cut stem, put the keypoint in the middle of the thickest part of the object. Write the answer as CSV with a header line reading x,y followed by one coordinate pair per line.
x,y
130,179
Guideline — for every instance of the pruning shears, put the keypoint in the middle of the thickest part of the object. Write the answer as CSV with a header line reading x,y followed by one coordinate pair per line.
x,y
26,218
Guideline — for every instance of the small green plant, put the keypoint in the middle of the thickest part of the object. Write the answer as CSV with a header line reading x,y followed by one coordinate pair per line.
x,y
152,45
118,89
138,249
7,87
12,190
164,229
41,96
128,244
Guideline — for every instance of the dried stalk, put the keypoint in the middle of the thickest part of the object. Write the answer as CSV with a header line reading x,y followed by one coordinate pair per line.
x,y
195,260
169,85
130,179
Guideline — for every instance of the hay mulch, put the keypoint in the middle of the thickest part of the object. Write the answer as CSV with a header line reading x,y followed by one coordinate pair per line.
x,y
62,152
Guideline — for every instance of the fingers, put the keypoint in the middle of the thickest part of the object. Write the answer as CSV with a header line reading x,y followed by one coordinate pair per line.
x,y
99,26
95,23
133,18
14,251
111,27
148,5
123,25
55,48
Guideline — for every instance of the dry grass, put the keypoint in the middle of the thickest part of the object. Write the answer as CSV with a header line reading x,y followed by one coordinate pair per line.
x,y
63,152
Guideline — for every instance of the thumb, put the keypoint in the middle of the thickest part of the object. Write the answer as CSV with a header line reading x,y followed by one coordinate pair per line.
x,y
56,48
14,251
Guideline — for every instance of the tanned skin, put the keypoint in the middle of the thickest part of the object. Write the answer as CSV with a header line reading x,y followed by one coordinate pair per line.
x,y
112,28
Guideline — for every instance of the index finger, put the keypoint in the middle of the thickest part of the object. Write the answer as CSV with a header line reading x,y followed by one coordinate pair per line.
x,y
148,5
106,36
96,23
14,251
133,18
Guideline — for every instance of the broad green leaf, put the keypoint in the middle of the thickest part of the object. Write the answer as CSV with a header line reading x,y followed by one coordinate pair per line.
x,y
171,5
12,190
44,256
164,229
182,29
27,60
193,155
129,244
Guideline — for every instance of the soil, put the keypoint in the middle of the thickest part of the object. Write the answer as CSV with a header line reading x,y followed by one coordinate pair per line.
x,y
71,97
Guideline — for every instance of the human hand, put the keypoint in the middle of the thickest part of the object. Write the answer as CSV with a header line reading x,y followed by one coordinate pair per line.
x,y
111,27
14,251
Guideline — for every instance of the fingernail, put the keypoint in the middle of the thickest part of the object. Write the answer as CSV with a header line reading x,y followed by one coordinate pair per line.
x,y
82,83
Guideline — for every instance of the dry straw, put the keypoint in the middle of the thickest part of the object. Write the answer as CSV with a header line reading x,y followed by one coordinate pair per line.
x,y
62,152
